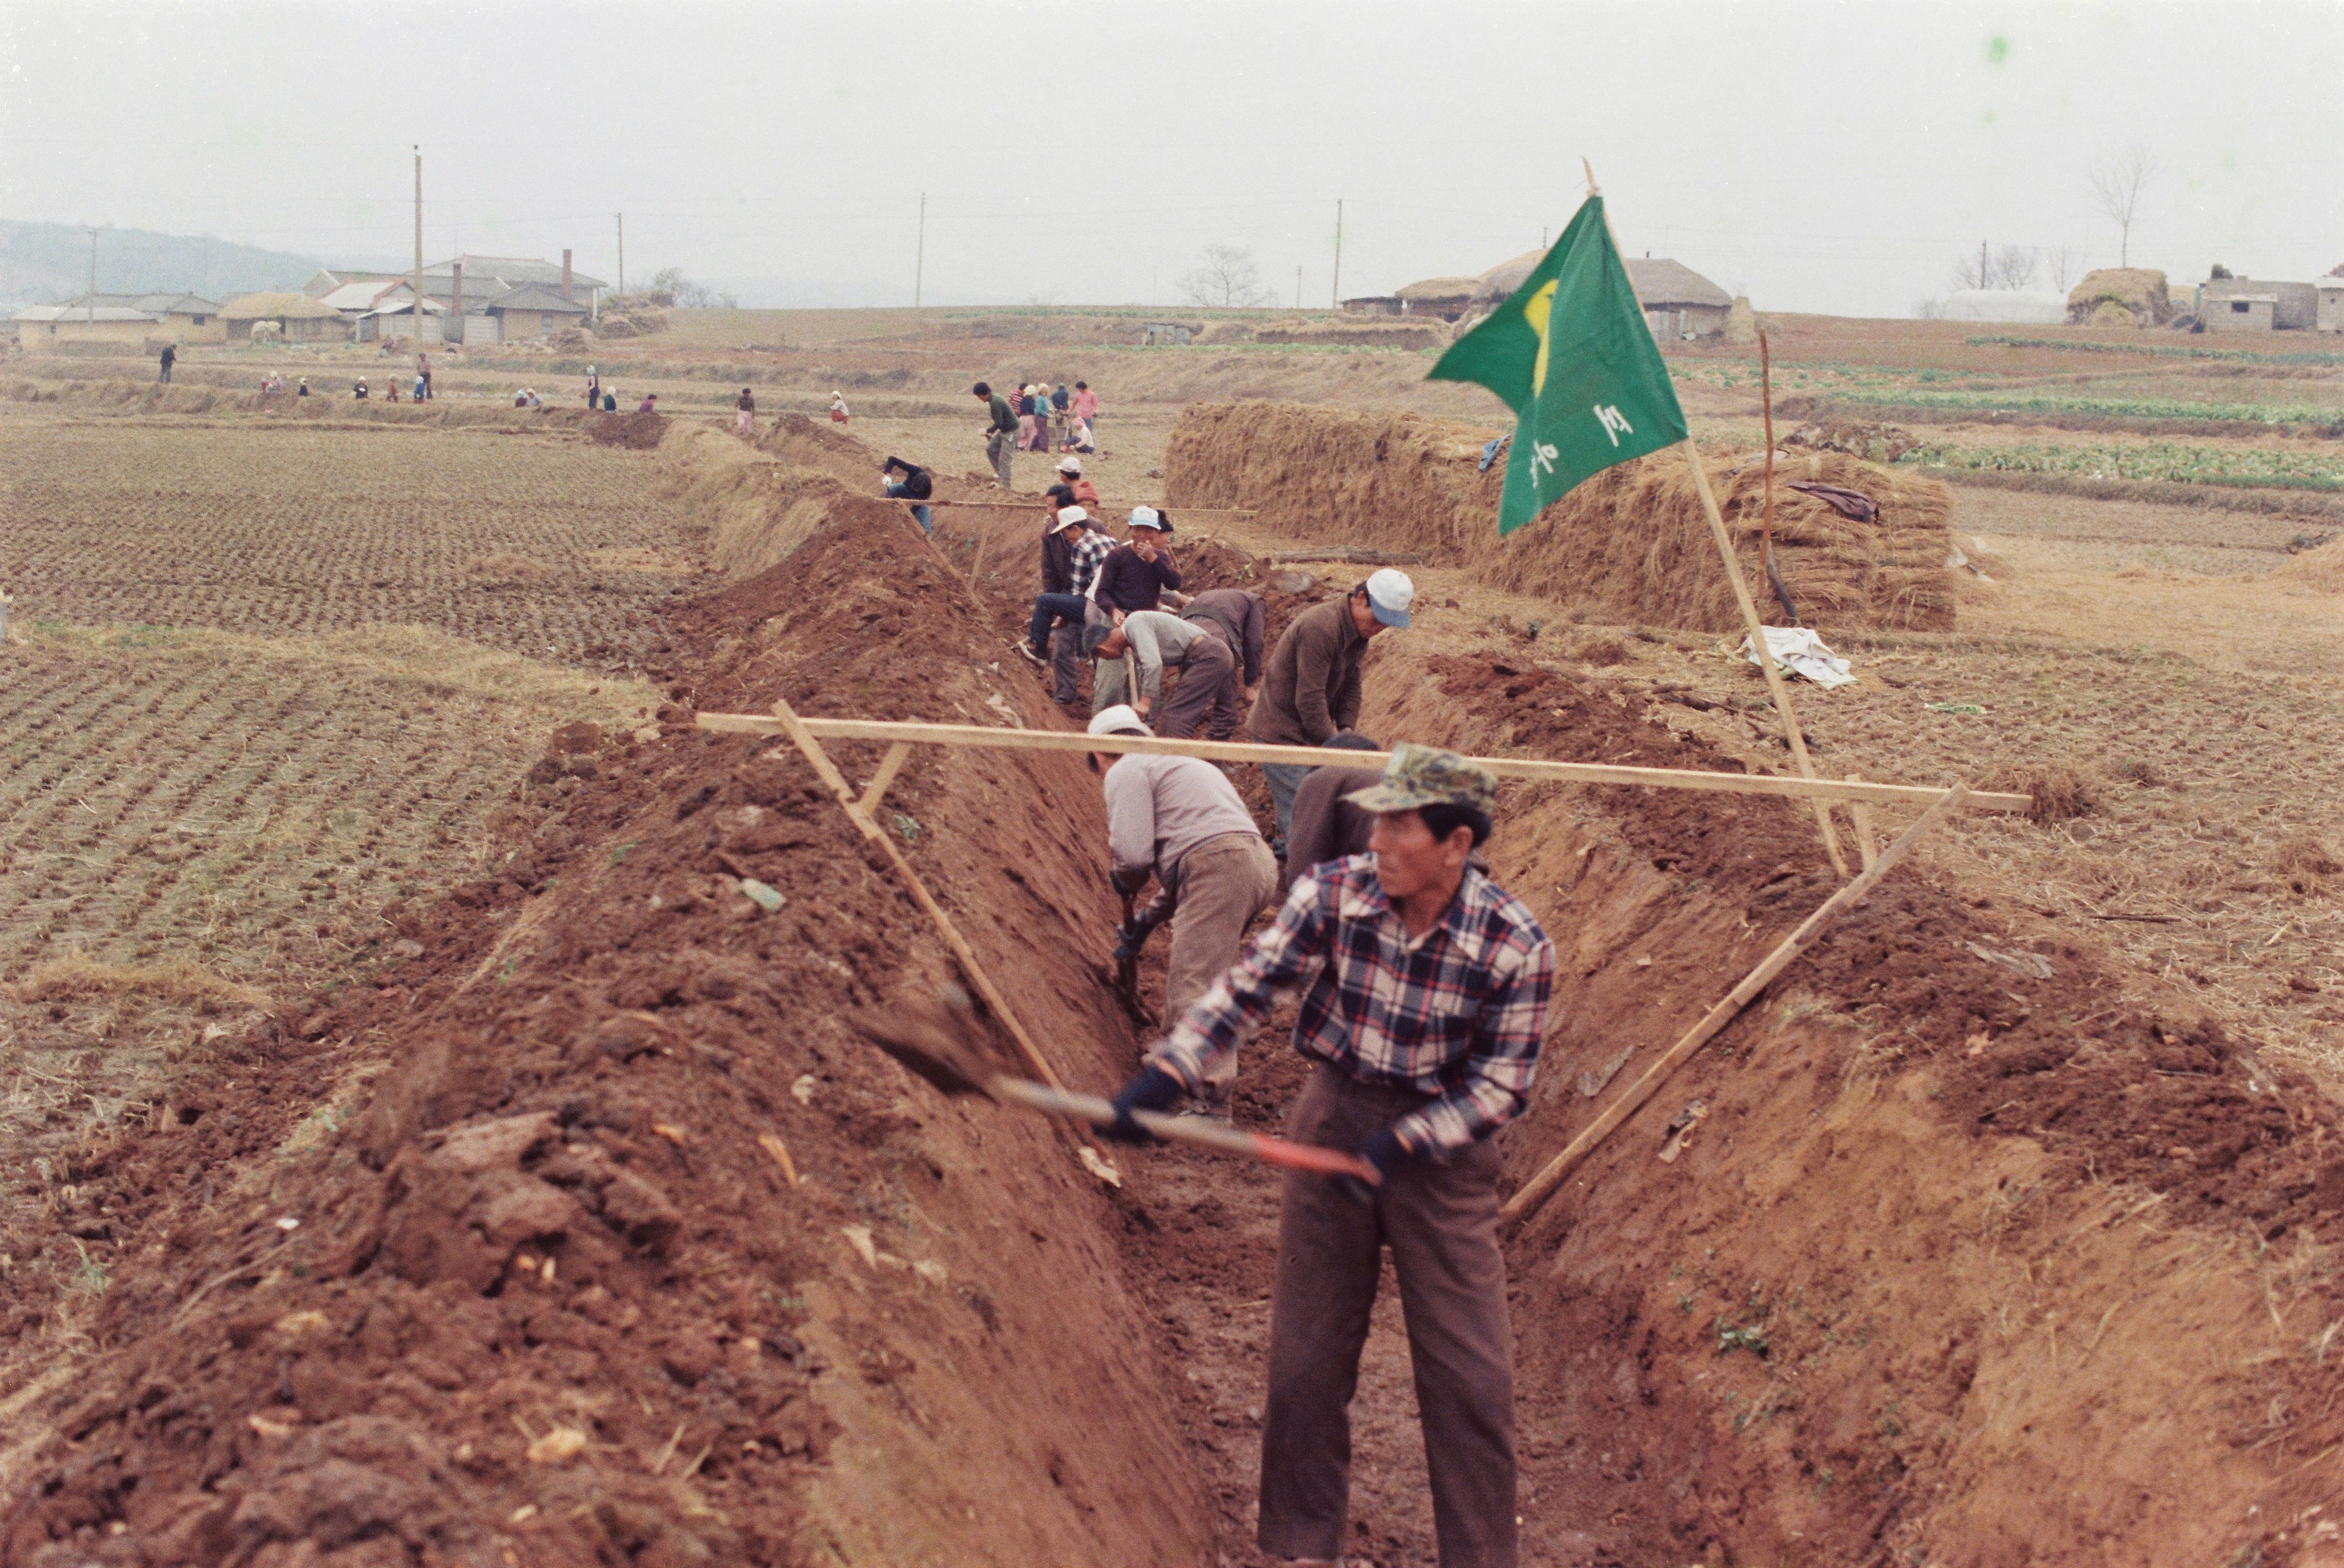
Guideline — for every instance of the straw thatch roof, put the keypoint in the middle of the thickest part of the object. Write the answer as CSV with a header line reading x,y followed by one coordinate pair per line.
x,y
275,306
1440,289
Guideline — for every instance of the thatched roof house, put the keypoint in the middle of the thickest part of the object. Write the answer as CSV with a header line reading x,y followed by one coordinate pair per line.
x,y
305,319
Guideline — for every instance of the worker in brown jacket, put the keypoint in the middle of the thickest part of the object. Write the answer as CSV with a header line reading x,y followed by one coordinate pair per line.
x,y
1310,688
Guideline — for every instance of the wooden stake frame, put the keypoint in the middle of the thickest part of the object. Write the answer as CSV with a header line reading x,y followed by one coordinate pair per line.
x,y
786,721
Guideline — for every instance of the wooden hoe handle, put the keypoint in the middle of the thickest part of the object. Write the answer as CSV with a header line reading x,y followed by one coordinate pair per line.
x,y
1202,1131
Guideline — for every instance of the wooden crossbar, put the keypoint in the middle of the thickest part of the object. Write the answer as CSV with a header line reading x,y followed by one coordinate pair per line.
x,y
1828,790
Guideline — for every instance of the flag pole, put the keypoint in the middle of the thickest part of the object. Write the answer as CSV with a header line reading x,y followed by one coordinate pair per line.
x,y
1774,684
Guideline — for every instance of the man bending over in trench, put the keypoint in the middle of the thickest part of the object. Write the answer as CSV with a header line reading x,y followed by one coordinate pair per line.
x,y
1427,1001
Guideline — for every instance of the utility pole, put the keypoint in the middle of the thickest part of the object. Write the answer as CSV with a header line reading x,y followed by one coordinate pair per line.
x,y
920,257
93,277
1982,278
622,255
1337,302
1298,288
418,243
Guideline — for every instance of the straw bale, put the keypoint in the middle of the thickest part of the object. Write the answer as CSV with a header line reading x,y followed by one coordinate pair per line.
x,y
1631,543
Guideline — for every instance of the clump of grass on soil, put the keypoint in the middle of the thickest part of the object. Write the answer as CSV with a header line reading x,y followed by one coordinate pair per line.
x,y
2303,855
74,977
2059,793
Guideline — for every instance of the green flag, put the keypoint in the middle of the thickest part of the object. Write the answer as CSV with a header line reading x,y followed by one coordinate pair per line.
x,y
1571,353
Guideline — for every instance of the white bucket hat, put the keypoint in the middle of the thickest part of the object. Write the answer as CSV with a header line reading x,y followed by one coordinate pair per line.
x,y
1068,517
1070,465
1120,719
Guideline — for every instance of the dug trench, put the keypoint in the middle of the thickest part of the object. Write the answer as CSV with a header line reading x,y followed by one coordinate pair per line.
x,y
637,1254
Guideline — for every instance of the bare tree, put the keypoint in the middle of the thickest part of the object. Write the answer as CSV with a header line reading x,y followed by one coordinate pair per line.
x,y
2067,265
2013,267
1971,271
1226,278
2116,180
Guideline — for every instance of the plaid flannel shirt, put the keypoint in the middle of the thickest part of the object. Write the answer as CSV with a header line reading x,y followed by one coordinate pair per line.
x,y
1089,549
1458,1013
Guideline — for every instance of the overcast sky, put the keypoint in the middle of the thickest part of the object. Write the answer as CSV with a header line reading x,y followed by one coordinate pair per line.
x,y
1825,157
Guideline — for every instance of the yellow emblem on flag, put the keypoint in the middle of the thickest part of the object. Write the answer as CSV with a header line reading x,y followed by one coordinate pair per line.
x,y
1536,310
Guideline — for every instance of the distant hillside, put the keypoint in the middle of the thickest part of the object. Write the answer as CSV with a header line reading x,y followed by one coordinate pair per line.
x,y
41,263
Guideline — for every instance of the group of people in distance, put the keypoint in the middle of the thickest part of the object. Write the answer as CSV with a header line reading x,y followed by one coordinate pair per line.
x,y
1027,420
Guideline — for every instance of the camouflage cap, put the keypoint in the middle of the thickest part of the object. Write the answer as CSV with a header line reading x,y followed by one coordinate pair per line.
x,y
1427,775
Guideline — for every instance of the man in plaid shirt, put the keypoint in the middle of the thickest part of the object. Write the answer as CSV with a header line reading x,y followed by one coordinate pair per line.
x,y
1426,1000
1072,549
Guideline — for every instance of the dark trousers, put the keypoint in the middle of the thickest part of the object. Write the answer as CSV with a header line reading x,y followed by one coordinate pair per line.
x,y
1051,609
1441,1222
1207,673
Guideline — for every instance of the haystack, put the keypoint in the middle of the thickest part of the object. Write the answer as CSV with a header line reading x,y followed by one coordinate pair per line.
x,y
2138,291
1741,321
1630,544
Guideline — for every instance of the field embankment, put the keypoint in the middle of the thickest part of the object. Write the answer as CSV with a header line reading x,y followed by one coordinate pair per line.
x,y
1630,544
636,1249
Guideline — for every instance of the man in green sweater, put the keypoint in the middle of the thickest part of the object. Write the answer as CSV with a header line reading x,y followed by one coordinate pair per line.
x,y
1000,431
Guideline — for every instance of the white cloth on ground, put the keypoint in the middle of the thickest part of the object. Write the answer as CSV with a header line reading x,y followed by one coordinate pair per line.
x,y
1801,652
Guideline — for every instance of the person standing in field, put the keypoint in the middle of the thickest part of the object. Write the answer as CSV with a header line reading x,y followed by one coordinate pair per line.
x,y
593,388
1025,419
744,414
170,357
1426,988
1000,431
1059,401
837,407
422,376
1310,688
1084,405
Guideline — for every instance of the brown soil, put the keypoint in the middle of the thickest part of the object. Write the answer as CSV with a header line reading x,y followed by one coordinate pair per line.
x,y
1632,543
1983,1251
277,531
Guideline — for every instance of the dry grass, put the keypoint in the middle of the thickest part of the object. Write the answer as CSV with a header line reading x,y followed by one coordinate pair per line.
x,y
175,980
2060,793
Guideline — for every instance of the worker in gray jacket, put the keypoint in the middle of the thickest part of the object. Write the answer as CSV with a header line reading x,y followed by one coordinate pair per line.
x,y
1159,639
1238,618
1180,820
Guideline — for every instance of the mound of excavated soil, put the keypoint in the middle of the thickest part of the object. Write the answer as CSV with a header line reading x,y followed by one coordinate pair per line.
x,y
1632,543
1963,1254
638,431
636,1253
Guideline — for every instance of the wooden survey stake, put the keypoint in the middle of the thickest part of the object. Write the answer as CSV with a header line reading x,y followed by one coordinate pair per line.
x,y
835,781
1540,1187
